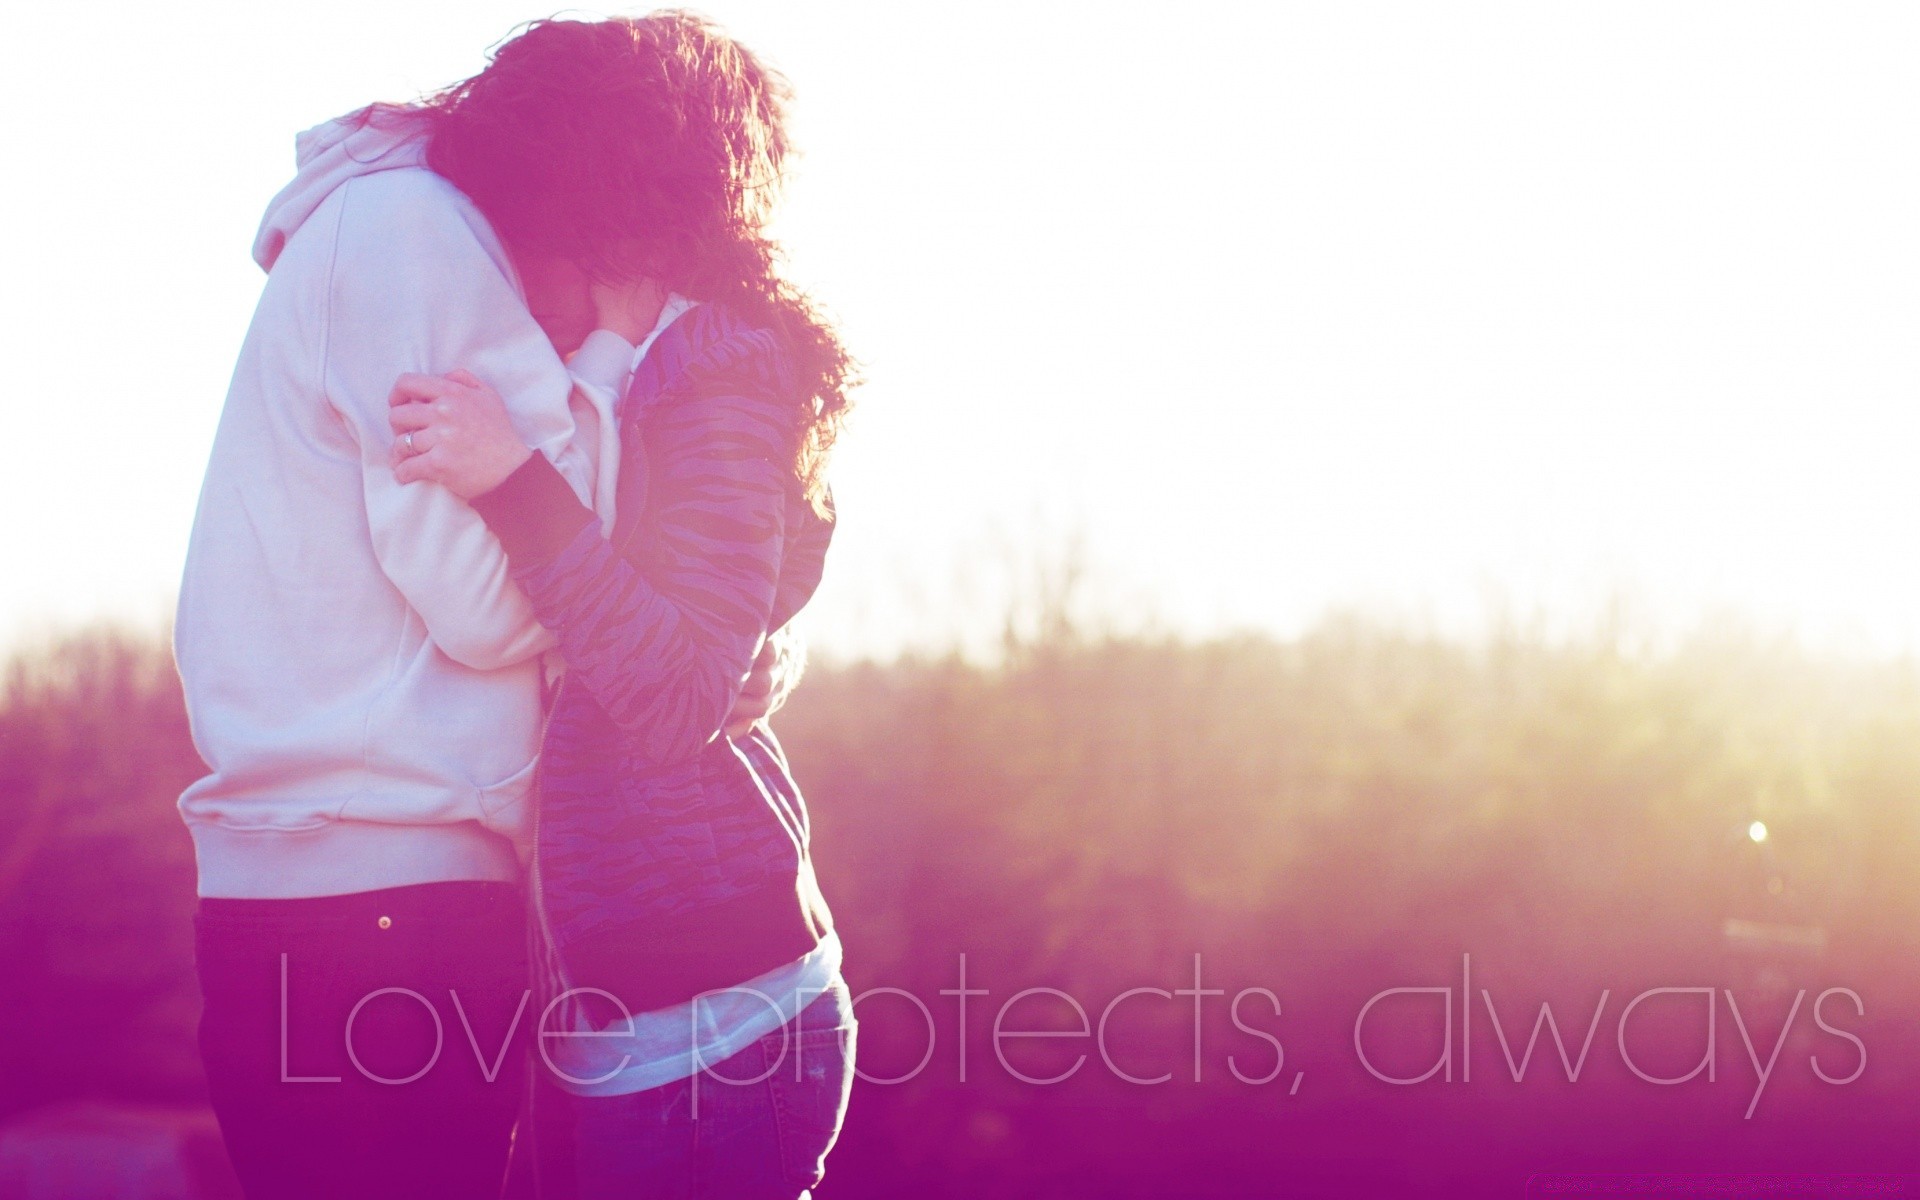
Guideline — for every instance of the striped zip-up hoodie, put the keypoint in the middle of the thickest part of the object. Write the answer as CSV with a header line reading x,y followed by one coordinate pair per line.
x,y
673,859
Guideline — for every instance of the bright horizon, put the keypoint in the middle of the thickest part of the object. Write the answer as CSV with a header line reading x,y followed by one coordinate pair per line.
x,y
1278,308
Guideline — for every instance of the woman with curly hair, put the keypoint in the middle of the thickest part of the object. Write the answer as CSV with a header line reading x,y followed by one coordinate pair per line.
x,y
678,919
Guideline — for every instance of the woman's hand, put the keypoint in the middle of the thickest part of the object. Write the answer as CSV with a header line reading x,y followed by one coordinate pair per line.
x,y
756,701
452,430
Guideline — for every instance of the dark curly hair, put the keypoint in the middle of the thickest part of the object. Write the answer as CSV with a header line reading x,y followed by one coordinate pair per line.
x,y
646,147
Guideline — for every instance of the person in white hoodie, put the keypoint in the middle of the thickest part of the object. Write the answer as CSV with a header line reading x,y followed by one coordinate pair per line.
x,y
364,683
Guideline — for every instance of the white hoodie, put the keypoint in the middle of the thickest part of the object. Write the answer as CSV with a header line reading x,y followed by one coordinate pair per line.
x,y
361,675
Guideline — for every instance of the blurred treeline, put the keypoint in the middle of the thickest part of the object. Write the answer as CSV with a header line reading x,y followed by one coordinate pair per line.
x,y
1325,817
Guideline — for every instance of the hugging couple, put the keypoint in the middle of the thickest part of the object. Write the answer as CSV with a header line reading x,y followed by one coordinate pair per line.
x,y
519,482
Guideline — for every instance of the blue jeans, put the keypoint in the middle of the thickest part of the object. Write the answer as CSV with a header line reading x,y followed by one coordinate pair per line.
x,y
754,1127
458,946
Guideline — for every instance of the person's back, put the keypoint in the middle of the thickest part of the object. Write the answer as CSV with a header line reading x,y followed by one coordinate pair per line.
x,y
363,681
348,748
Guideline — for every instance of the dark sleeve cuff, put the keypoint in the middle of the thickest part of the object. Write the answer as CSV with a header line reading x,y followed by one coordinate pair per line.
x,y
533,512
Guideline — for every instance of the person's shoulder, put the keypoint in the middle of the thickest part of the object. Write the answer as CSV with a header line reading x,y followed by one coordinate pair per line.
x,y
716,385
715,348
404,191
410,213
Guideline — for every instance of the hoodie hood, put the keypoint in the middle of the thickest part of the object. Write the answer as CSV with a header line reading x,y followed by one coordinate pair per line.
x,y
377,138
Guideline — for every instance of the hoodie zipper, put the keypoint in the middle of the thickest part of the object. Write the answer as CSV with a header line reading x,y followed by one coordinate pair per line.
x,y
552,970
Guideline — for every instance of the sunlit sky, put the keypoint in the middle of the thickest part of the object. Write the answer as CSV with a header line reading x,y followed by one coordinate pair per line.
x,y
1427,308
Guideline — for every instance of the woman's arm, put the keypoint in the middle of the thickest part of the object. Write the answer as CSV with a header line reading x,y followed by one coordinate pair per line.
x,y
663,635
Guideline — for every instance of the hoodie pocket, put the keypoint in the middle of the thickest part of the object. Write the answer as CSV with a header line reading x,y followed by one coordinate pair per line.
x,y
496,798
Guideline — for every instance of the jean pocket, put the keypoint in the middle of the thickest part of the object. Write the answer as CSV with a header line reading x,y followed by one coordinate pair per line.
x,y
811,1081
